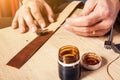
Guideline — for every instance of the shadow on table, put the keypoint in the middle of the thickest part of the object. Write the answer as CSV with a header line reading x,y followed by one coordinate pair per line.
x,y
5,22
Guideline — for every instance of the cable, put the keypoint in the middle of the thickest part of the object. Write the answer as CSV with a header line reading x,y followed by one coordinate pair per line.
x,y
109,66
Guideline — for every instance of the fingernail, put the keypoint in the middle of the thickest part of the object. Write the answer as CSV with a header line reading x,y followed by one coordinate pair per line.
x,y
22,30
33,29
14,25
51,19
42,25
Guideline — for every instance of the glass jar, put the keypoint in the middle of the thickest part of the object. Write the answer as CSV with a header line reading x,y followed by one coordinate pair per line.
x,y
69,63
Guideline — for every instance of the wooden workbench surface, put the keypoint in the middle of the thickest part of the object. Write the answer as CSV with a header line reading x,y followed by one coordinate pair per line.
x,y
43,64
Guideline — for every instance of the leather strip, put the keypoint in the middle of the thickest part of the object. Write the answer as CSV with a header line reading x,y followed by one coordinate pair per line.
x,y
29,50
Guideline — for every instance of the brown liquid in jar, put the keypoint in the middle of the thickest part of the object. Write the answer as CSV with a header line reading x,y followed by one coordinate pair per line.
x,y
91,59
69,55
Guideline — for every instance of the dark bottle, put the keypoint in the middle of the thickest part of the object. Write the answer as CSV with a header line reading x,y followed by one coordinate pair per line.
x,y
69,63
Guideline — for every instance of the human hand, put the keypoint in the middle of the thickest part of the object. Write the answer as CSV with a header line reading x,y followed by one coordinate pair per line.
x,y
96,19
31,12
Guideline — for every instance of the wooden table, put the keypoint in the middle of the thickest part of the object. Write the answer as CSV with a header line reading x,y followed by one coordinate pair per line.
x,y
43,64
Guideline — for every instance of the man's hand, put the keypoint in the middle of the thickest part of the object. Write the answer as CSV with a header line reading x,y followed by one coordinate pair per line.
x,y
96,19
31,12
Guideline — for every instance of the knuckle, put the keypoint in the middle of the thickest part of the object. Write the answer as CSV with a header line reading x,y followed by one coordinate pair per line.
x,y
40,20
21,24
108,25
28,21
35,12
88,22
105,14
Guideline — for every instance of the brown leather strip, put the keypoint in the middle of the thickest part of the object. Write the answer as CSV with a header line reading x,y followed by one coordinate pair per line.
x,y
28,51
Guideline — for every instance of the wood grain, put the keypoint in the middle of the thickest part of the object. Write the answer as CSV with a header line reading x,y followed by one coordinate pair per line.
x,y
43,65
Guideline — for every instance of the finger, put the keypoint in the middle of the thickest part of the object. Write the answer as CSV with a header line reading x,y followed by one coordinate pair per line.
x,y
49,12
35,11
29,20
99,32
85,33
78,29
93,34
14,24
89,20
21,25
104,25
89,7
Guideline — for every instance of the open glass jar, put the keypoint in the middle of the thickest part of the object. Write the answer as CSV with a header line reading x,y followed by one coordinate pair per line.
x,y
69,63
